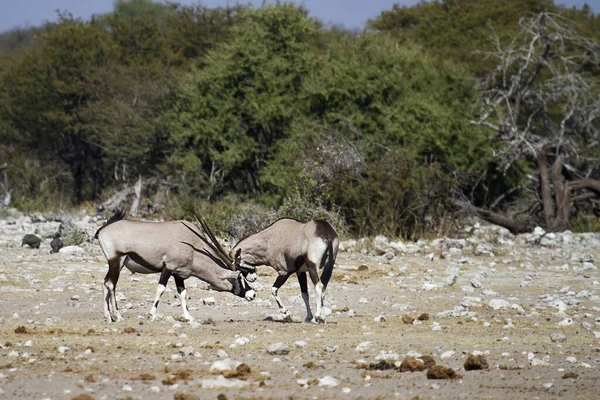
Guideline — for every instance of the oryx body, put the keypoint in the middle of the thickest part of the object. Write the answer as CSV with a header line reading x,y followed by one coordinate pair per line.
x,y
168,248
290,246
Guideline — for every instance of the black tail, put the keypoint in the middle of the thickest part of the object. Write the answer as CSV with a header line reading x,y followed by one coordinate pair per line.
x,y
327,263
117,216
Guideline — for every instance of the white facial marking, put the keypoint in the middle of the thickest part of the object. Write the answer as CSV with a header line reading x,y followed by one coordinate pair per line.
x,y
251,277
250,295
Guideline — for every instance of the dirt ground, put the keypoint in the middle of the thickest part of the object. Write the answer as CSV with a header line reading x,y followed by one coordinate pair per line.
x,y
55,343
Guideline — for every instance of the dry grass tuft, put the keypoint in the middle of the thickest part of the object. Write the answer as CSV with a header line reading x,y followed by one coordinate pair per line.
x,y
21,330
441,372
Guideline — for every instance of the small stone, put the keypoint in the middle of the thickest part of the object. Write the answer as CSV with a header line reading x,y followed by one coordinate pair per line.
x,y
226,364
278,349
241,341
363,346
447,354
63,349
208,301
570,375
328,381
566,322
407,319
331,348
300,344
187,351
558,338
499,304
222,353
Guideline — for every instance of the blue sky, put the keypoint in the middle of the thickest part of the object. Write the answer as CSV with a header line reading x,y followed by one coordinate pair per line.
x,y
350,13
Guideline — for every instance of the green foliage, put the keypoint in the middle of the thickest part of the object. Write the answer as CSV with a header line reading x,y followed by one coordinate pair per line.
x,y
232,112
74,238
141,8
248,115
455,30
585,223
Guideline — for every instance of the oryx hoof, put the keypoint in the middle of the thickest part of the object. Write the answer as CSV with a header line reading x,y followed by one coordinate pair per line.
x,y
320,320
286,318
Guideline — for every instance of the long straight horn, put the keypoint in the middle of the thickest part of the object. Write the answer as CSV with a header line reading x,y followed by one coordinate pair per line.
x,y
214,248
213,238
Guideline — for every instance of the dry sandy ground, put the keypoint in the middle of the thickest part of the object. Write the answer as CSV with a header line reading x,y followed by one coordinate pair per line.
x,y
49,302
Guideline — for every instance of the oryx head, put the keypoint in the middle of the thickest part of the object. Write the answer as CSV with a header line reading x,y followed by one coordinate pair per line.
x,y
241,287
249,271
240,275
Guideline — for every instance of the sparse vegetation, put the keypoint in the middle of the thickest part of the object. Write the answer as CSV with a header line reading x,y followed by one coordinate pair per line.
x,y
74,238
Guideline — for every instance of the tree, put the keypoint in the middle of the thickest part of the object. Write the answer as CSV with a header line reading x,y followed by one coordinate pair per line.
x,y
231,113
44,92
397,124
454,29
543,105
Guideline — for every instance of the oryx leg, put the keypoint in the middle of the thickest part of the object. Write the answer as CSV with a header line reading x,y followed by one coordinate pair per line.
x,y
325,277
281,279
314,277
304,289
162,286
183,298
109,288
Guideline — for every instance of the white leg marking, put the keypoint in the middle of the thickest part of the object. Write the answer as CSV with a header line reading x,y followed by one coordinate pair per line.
x,y
319,295
159,292
186,312
282,308
112,298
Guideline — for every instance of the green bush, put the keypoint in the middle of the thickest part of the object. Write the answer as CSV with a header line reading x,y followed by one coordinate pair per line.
x,y
74,238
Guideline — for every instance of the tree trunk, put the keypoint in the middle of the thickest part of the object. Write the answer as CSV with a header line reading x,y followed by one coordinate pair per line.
x,y
562,194
515,226
137,190
546,187
589,184
78,181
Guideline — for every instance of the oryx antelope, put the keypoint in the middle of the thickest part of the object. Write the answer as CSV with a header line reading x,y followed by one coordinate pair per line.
x,y
170,248
290,246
